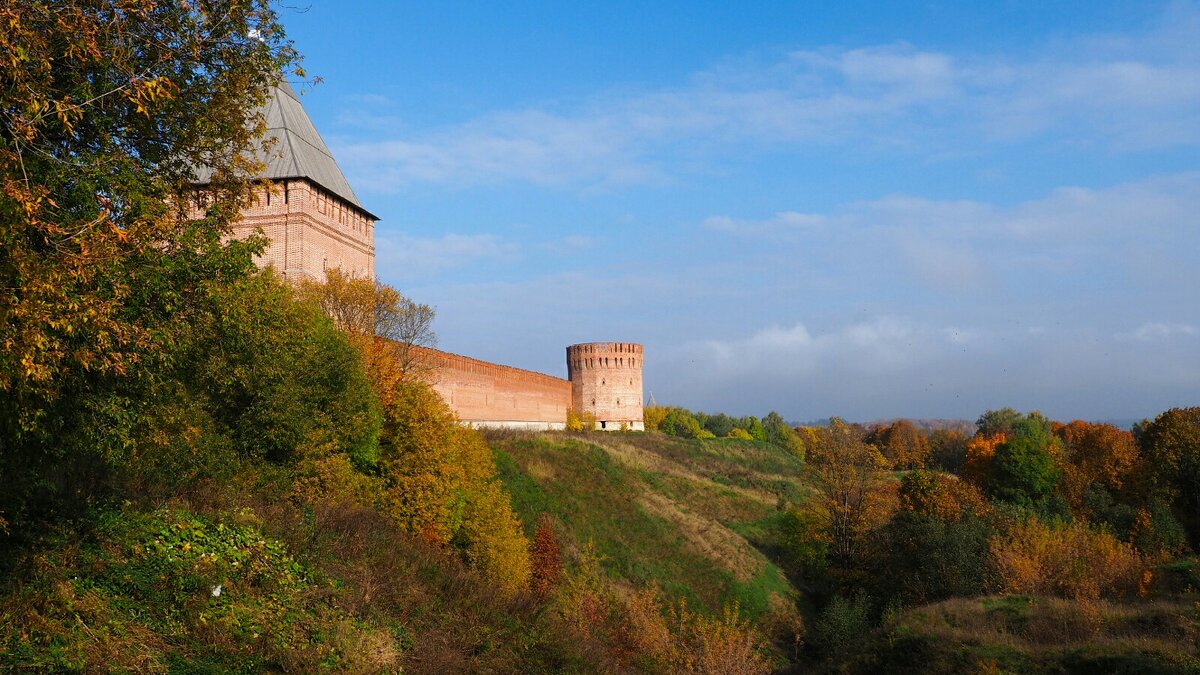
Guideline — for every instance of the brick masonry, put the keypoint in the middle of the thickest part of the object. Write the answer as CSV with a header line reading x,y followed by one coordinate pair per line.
x,y
606,380
491,395
311,230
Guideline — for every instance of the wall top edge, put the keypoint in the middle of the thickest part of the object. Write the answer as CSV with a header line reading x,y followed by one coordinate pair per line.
x,y
606,347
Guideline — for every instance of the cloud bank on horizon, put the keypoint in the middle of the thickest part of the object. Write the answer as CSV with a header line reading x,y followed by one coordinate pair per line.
x,y
865,230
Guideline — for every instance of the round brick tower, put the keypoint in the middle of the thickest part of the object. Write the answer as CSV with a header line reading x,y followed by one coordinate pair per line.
x,y
606,381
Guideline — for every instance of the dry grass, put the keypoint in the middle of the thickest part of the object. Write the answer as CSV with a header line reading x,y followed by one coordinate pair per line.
x,y
1049,625
706,537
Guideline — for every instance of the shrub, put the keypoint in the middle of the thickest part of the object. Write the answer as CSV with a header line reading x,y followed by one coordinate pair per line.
x,y
927,558
781,434
1071,561
680,422
842,624
676,640
653,416
545,560
740,434
439,480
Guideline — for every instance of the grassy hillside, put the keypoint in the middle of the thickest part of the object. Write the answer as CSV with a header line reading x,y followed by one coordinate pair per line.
x,y
194,588
1020,634
690,516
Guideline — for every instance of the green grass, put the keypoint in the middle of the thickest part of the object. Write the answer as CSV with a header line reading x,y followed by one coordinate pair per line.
x,y
337,590
682,515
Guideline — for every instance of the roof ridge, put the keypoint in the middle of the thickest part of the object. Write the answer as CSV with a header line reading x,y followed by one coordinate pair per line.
x,y
288,122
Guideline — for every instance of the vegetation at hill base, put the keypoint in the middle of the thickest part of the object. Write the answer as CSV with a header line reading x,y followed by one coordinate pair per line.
x,y
207,469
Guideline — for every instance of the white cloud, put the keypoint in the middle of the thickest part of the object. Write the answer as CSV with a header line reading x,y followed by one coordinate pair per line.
x,y
1119,92
408,257
1157,332
782,223
1072,236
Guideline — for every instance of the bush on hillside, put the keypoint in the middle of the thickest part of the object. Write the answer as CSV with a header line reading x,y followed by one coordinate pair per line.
x,y
681,423
672,639
440,482
1070,561
578,421
653,416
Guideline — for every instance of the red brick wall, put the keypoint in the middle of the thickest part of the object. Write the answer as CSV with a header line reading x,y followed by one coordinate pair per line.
x,y
311,230
488,394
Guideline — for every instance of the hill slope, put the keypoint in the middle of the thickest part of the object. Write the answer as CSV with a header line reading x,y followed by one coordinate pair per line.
x,y
692,517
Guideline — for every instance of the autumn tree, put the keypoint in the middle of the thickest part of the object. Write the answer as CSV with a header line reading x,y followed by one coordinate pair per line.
x,y
948,449
901,444
1095,457
941,496
977,462
440,481
1171,447
854,498
392,332
107,108
653,416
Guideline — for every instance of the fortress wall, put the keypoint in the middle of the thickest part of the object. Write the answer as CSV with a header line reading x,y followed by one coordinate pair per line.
x,y
311,230
492,395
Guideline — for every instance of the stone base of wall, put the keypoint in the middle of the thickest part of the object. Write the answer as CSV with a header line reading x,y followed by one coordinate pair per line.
x,y
637,425
519,425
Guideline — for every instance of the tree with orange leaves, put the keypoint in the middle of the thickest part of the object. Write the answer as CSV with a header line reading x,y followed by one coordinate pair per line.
x,y
980,451
545,560
1095,455
901,444
390,330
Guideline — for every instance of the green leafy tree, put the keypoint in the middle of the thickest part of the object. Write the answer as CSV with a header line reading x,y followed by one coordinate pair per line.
x,y
1171,449
1023,471
107,108
278,375
680,422
720,424
994,422
780,433
754,427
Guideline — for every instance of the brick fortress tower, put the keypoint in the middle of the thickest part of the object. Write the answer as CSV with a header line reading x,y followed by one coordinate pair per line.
x,y
304,204
606,381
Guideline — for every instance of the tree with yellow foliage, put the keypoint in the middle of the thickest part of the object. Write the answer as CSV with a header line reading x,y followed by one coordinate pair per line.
x,y
391,331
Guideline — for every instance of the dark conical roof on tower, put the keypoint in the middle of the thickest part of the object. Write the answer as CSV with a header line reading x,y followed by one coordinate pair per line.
x,y
298,150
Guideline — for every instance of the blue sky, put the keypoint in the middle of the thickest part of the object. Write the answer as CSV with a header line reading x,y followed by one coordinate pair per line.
x,y
865,209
